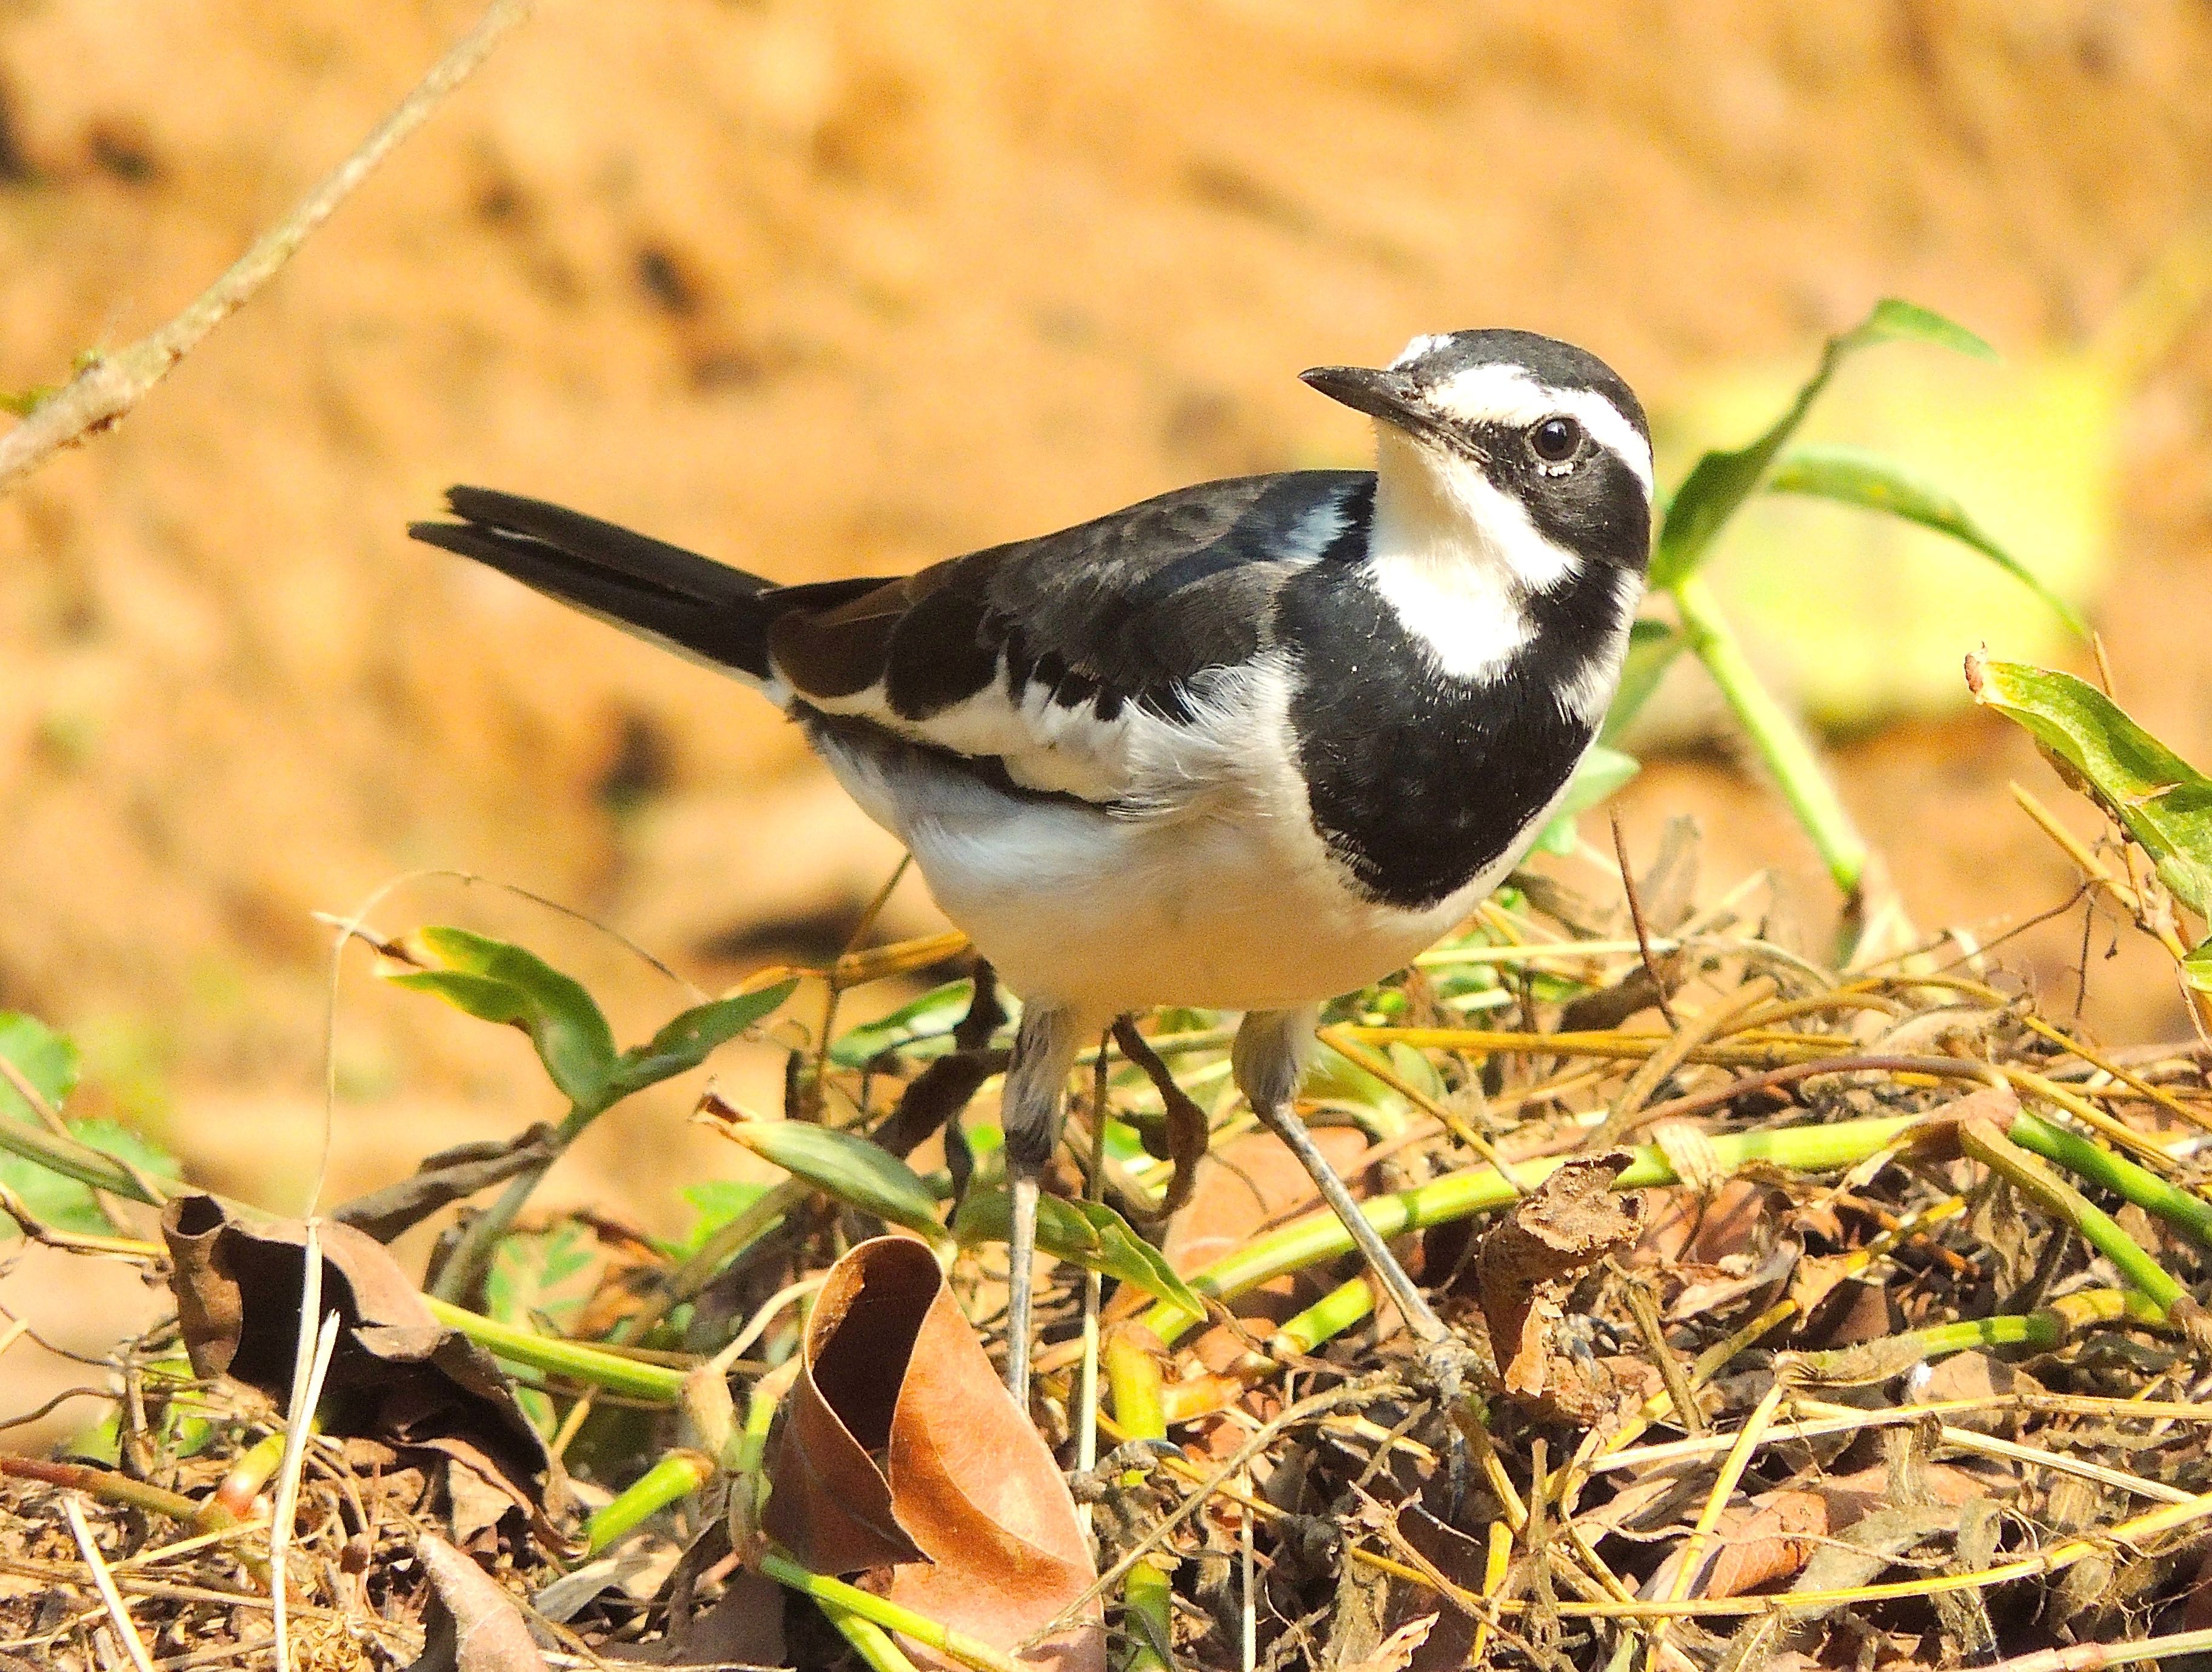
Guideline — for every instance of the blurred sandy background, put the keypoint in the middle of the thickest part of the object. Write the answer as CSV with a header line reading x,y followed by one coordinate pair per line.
x,y
839,287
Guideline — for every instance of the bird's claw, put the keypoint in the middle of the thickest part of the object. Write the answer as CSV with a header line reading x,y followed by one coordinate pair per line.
x,y
1448,1366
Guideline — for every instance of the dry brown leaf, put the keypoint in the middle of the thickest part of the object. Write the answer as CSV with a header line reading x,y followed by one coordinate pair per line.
x,y
1771,1543
1528,1261
1975,1376
902,1458
1936,1134
1688,1226
1396,1652
476,1626
1240,1188
742,1626
1710,1289
1858,1311
398,1374
1445,1645
444,1178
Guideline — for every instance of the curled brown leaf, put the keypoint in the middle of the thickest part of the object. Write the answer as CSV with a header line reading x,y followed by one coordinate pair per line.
x,y
396,1374
902,1459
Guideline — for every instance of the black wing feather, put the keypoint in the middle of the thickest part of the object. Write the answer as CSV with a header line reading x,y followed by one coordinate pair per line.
x,y
1128,610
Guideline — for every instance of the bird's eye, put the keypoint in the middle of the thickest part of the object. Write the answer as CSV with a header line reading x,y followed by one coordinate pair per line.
x,y
1555,440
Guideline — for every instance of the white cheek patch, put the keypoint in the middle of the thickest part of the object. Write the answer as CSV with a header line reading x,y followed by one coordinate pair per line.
x,y
1454,558
1466,615
1508,395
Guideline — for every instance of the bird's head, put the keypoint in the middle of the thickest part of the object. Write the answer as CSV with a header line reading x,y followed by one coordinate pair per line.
x,y
1535,446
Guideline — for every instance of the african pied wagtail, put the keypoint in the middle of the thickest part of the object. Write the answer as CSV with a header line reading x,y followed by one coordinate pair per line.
x,y
1247,745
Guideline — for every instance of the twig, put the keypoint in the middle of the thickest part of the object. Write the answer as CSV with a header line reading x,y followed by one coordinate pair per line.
x,y
132,1643
1454,1122
117,1487
1661,1352
1351,1393
1692,1555
311,1363
2095,1657
1726,1016
49,1117
109,385
1642,930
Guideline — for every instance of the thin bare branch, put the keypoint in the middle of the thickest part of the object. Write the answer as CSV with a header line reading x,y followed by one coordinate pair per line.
x,y
108,386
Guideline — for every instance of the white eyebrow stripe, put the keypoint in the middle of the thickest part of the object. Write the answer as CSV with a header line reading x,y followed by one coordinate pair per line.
x,y
1508,395
1414,349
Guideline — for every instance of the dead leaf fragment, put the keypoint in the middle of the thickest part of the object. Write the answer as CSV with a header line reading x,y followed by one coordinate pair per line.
x,y
1528,1263
1396,1652
902,1459
444,1178
476,1626
1770,1544
398,1374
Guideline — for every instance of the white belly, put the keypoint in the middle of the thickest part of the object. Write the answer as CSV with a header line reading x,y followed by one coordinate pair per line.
x,y
1228,902
1111,917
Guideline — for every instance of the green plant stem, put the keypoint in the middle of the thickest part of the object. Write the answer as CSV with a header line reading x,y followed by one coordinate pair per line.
x,y
1775,732
2189,1214
1133,1376
877,1650
957,1645
465,1265
1995,1150
1340,1310
577,1361
115,1487
1318,1236
674,1478
2041,1330
723,1244
81,1162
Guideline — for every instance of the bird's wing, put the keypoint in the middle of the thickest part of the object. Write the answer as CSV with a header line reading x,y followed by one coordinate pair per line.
x,y
1098,662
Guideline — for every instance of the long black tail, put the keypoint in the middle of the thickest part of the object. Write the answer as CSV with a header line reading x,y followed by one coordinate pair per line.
x,y
691,604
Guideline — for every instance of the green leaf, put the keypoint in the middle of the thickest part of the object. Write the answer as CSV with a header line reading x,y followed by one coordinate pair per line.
x,y
65,1204
855,1170
533,1274
1088,1233
928,1018
1851,476
716,1202
1719,484
2196,968
1603,771
692,1037
1652,648
42,1057
500,982
2164,803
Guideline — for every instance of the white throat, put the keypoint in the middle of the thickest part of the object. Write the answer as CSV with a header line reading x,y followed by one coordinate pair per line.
x,y
1455,559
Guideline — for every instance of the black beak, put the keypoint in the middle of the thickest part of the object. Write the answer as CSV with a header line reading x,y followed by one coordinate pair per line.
x,y
1389,395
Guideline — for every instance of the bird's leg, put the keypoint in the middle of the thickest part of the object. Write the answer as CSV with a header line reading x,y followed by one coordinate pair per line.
x,y
1031,1107
1273,1049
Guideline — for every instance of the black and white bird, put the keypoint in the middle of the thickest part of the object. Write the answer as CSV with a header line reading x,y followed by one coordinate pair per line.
x,y
1247,745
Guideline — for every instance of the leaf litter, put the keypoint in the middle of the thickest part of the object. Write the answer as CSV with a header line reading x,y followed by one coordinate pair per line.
x,y
1850,1319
